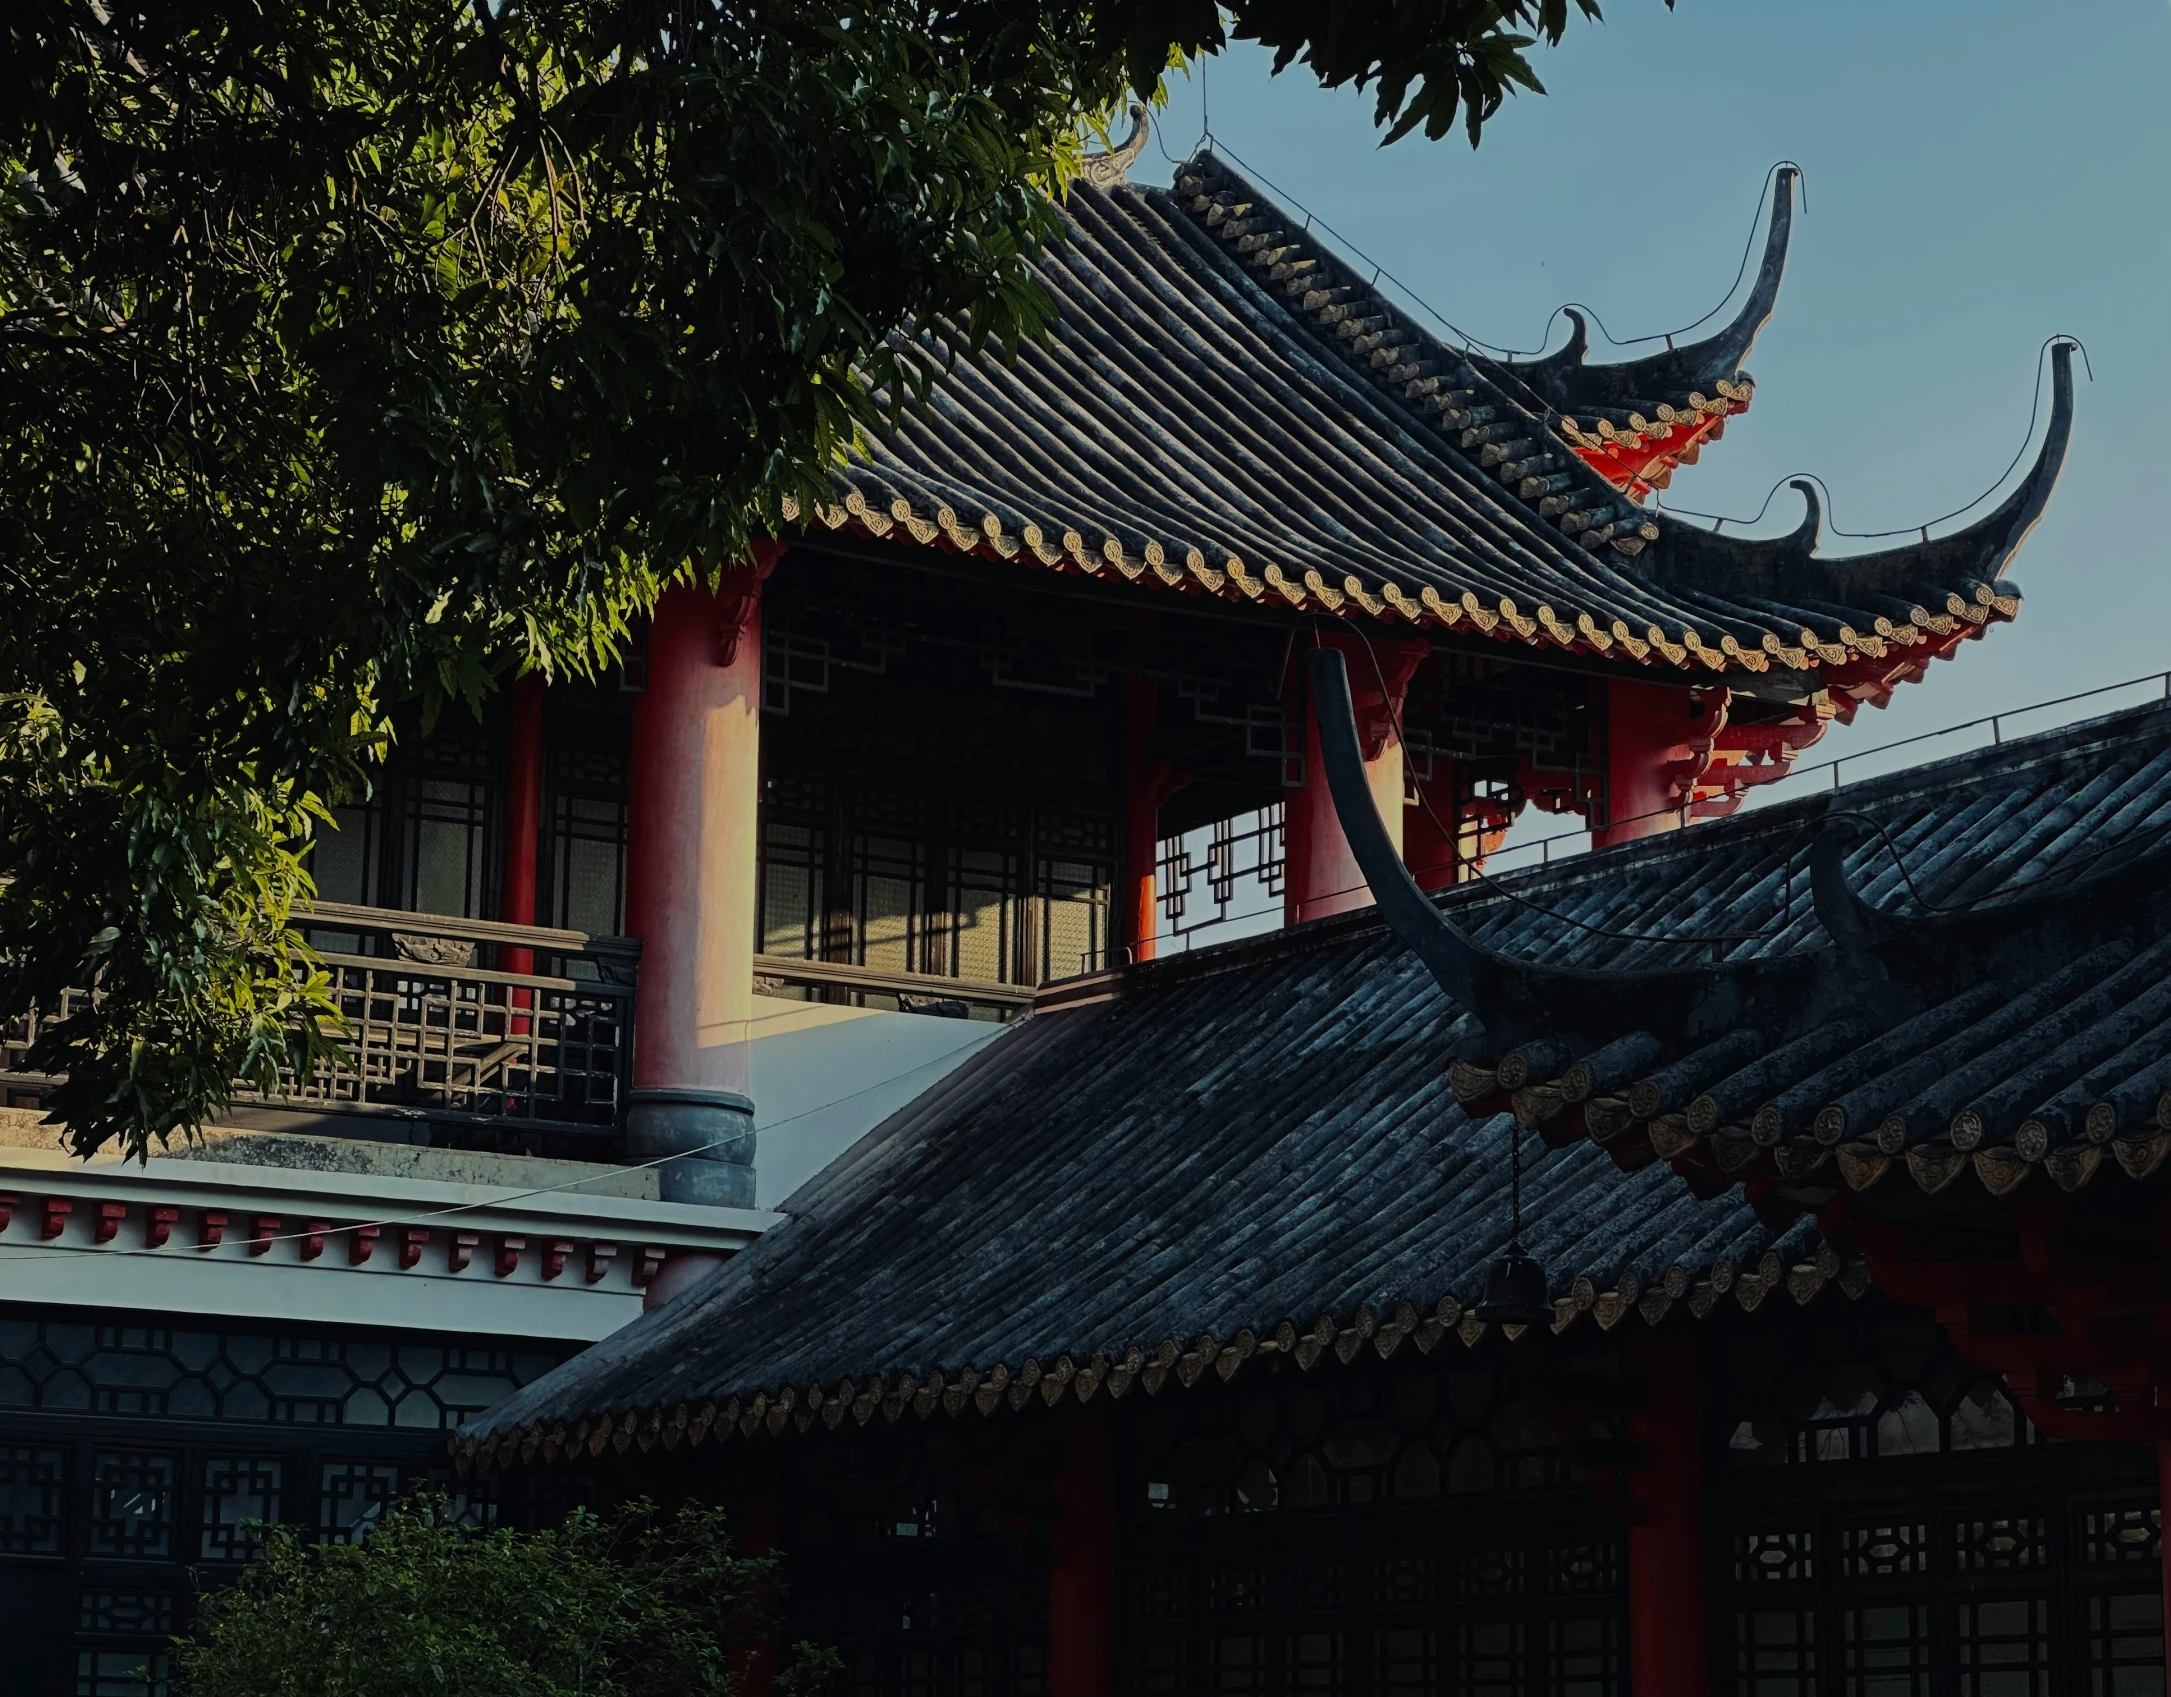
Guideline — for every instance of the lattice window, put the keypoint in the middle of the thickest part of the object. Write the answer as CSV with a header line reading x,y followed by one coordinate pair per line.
x,y
1878,1382
122,1642
141,1613
346,861
1491,1658
241,1496
1489,1573
2125,1644
1236,1591
1578,1569
1407,1663
1888,1650
794,906
1583,1656
1407,1579
131,1505
218,1375
123,1673
588,864
352,1497
1783,1556
31,1481
1999,1544
1072,898
2001,1647
1884,1551
889,903
1314,1662
444,836
1222,874
2118,1536
1775,1653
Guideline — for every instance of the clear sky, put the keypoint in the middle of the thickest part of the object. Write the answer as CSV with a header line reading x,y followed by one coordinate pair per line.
x,y
1981,174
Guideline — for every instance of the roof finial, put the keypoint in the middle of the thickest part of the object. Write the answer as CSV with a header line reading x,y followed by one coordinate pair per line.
x,y
1106,170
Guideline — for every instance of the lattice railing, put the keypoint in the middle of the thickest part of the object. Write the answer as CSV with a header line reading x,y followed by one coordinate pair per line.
x,y
457,1018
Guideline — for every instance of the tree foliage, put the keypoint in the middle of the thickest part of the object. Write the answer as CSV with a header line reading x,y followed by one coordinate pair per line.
x,y
354,355
640,1606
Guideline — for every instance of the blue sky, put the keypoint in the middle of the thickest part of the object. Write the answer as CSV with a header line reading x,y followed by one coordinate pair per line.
x,y
1981,174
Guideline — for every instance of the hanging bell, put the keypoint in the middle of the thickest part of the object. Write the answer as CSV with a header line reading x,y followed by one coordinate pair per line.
x,y
1515,1293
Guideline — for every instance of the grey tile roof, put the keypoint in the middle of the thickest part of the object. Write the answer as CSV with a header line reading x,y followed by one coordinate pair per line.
x,y
1258,1150
1227,408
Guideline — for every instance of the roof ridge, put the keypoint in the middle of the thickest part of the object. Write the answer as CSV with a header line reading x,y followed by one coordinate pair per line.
x,y
1441,388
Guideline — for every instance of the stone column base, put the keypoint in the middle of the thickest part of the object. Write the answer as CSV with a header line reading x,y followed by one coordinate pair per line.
x,y
709,1134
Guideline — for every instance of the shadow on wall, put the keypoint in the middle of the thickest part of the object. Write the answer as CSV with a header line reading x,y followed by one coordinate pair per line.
x,y
822,1077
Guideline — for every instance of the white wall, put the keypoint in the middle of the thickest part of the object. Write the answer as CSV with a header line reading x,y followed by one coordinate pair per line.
x,y
824,1076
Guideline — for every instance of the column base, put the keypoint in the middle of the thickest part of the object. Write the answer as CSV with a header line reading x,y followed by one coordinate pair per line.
x,y
708,1133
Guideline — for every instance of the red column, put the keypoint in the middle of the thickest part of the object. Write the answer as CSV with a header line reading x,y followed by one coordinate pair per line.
x,y
523,814
1320,875
690,882
1082,1561
755,1664
1658,742
1669,1650
1137,922
1432,827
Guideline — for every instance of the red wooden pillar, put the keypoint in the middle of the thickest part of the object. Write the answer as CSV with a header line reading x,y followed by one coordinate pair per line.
x,y
1082,1561
1658,742
691,843
1320,875
755,1664
523,814
1432,829
1669,1648
1137,922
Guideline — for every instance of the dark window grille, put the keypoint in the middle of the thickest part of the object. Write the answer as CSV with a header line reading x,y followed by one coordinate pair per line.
x,y
352,1497
1999,1544
31,1481
1775,1653
1889,1652
132,1506
445,837
588,864
794,905
62,1366
1240,876
2125,1644
135,1672
1779,1556
2118,1536
2002,1647
240,1498
1884,1550
122,1612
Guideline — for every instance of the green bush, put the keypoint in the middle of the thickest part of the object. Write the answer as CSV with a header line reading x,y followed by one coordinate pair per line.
x,y
637,1606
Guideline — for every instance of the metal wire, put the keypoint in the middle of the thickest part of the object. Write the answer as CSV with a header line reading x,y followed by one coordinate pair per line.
x,y
2035,406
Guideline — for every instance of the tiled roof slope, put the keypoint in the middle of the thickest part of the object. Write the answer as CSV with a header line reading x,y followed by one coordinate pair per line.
x,y
1227,409
1257,1150
1965,969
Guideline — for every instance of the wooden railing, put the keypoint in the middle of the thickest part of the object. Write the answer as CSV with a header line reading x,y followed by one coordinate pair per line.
x,y
908,992
507,1028
475,1019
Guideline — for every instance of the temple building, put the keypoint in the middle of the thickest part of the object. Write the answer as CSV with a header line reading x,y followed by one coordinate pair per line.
x,y
806,1068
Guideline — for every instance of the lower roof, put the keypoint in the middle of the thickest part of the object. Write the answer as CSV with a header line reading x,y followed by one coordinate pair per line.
x,y
1260,1150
